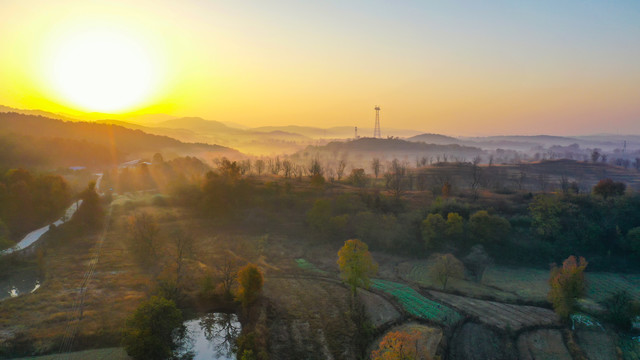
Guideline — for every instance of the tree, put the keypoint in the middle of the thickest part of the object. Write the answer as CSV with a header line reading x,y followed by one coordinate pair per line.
x,y
402,345
567,285
143,233
455,227
342,164
90,212
356,264
446,266
633,239
149,332
375,166
608,187
227,273
395,178
358,178
477,261
433,230
259,165
476,177
446,189
546,211
488,228
250,280
183,247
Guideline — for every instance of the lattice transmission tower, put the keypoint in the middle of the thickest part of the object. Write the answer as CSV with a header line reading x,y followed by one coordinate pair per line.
x,y
376,129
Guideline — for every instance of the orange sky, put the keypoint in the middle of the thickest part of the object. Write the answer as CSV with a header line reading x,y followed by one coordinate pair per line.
x,y
459,69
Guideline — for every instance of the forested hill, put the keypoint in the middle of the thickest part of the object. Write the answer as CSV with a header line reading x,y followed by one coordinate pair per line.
x,y
116,139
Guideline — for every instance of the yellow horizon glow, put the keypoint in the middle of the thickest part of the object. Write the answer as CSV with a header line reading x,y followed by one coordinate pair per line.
x,y
328,64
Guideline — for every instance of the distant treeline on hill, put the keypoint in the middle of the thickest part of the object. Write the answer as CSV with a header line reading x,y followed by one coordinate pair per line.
x,y
396,145
101,140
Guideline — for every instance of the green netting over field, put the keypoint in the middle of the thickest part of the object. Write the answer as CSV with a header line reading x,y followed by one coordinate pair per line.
x,y
305,265
416,304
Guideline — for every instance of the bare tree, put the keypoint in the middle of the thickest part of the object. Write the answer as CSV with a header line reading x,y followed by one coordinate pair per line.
x,y
315,168
183,247
143,231
395,176
227,272
287,168
259,165
476,177
342,164
375,166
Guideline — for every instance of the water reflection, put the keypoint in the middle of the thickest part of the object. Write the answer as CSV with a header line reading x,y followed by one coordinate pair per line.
x,y
211,336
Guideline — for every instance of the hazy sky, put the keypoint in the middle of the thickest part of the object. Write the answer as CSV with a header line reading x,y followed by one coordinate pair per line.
x,y
453,67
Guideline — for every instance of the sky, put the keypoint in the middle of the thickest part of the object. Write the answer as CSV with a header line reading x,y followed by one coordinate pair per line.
x,y
450,67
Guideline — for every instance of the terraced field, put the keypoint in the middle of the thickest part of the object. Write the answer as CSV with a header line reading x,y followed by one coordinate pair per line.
x,y
602,285
500,315
531,284
416,304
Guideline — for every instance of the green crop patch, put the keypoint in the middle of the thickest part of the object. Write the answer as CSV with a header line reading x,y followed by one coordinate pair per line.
x,y
305,265
416,304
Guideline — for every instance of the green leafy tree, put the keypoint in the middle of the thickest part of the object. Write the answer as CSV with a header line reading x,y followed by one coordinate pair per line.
x,y
433,230
488,228
567,285
356,264
250,280
149,331
633,239
455,227
546,212
90,212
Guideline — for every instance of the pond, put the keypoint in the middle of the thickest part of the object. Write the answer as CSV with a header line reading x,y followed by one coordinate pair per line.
x,y
19,284
211,336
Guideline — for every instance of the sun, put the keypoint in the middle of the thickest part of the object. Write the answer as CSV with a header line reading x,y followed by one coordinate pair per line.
x,y
102,70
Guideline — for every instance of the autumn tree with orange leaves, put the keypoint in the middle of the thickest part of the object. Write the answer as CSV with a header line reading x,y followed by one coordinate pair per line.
x,y
567,285
401,345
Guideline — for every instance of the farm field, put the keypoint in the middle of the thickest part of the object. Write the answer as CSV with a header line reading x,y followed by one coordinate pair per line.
x,y
416,304
531,284
298,329
542,344
418,273
499,315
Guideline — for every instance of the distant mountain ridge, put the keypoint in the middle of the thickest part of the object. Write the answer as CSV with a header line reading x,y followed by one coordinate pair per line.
x,y
118,138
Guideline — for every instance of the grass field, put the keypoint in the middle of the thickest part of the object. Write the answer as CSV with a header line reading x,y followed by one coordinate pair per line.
x,y
416,304
630,347
418,273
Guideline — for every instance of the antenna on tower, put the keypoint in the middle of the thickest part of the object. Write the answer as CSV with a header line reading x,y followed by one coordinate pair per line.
x,y
376,129
356,133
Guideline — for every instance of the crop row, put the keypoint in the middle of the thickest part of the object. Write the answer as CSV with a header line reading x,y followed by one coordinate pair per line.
x,y
416,304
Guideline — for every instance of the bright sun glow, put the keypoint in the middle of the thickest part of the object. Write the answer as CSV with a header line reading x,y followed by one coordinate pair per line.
x,y
102,70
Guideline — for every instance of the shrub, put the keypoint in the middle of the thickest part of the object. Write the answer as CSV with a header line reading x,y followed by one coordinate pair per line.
x,y
250,280
620,309
149,332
